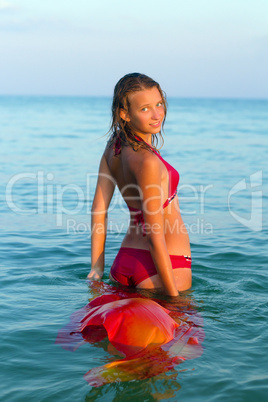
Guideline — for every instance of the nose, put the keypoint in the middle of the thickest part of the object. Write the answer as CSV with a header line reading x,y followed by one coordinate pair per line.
x,y
156,114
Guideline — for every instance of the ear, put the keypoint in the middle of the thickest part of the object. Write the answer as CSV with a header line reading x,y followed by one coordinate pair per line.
x,y
124,115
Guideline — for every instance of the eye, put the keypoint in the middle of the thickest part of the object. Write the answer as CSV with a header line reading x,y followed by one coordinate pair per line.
x,y
159,104
144,109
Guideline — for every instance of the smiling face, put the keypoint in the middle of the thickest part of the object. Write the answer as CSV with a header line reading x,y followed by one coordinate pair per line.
x,y
146,111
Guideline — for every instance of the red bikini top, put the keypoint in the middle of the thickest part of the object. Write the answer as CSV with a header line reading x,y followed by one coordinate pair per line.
x,y
173,175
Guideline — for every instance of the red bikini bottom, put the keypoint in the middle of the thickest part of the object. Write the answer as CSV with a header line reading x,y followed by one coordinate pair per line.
x,y
132,265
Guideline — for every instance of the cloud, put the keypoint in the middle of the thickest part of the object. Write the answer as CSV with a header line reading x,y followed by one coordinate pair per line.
x,y
6,6
41,24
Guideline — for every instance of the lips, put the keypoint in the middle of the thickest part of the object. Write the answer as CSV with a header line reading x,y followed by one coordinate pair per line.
x,y
156,124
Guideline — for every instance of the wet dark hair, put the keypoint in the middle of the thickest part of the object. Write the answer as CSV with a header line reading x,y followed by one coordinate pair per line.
x,y
120,131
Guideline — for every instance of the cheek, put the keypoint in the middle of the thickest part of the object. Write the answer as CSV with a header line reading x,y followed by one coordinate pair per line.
x,y
140,120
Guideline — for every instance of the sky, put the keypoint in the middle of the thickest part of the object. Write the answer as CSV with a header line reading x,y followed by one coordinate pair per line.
x,y
193,48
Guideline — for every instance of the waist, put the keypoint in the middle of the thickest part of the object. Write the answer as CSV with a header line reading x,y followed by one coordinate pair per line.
x,y
175,233
138,218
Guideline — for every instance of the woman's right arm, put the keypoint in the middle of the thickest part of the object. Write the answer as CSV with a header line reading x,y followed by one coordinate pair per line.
x,y
99,213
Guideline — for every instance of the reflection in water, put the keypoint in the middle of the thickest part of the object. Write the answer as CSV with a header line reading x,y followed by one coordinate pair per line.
x,y
149,337
163,387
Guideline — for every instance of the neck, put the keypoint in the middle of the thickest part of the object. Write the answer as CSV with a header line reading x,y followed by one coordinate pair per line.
x,y
146,138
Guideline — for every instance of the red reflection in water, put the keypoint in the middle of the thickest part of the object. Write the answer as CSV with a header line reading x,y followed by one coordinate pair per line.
x,y
153,335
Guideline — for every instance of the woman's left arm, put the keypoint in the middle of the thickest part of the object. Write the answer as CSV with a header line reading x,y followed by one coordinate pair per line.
x,y
99,213
148,175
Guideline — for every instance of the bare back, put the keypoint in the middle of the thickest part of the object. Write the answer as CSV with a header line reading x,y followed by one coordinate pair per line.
x,y
124,169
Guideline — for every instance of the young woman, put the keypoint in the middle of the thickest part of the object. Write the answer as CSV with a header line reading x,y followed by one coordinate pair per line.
x,y
155,252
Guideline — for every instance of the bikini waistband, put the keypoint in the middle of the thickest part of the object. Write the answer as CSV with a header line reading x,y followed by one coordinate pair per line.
x,y
135,250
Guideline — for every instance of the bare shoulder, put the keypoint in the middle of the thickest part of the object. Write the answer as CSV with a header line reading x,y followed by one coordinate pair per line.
x,y
141,161
113,161
108,152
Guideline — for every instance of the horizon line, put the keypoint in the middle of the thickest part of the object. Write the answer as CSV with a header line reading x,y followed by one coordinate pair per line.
x,y
201,97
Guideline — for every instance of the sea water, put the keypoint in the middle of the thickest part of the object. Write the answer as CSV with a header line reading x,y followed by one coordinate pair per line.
x,y
50,151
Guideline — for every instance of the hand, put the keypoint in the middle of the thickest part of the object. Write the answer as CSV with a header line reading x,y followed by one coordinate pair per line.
x,y
95,274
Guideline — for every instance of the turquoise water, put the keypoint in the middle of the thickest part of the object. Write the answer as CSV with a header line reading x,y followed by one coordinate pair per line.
x,y
50,150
